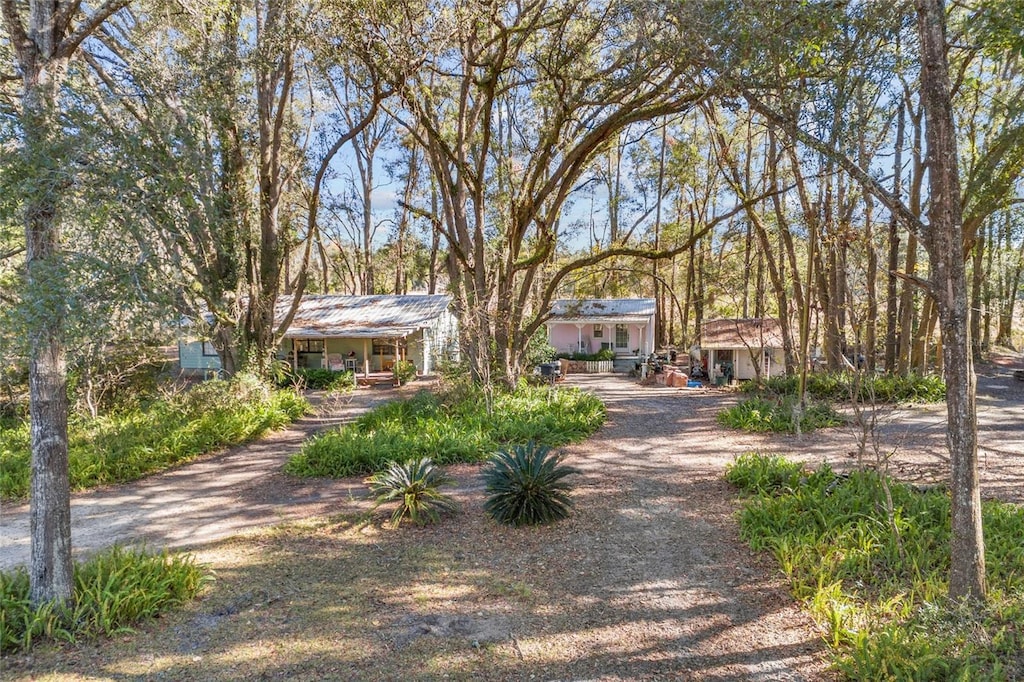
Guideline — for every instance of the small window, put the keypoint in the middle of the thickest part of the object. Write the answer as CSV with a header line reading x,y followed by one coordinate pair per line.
x,y
598,331
621,336
309,345
208,350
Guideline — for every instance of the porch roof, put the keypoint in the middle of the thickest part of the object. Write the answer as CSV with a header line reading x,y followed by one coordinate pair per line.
x,y
336,316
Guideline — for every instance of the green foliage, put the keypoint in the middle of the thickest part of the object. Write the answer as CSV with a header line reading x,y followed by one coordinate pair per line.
x,y
760,414
839,386
403,372
414,485
455,427
112,591
526,486
603,354
878,584
317,379
131,444
538,350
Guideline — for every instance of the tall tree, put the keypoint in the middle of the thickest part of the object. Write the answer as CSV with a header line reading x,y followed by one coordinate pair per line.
x,y
44,35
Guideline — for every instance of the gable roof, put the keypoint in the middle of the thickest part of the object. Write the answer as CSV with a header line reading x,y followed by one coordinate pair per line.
x,y
755,332
612,310
331,315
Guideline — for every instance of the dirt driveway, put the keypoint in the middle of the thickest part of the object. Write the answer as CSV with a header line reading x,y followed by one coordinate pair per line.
x,y
648,580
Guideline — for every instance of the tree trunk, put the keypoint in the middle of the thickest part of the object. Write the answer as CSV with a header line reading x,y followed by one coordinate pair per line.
x,y
949,283
891,307
50,569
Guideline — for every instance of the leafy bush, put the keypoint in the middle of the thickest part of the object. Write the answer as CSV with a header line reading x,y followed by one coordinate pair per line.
x,y
876,583
603,354
455,427
403,372
839,386
414,485
759,414
112,591
526,486
129,445
316,379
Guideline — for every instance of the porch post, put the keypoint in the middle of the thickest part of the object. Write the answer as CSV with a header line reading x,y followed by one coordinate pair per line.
x,y
366,360
295,355
579,337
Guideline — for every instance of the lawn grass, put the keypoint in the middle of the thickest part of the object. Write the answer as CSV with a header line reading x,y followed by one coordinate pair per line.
x,y
450,428
129,445
877,584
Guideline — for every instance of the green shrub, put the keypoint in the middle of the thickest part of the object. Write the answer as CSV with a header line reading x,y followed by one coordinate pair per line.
x,y
316,379
839,387
603,354
877,584
131,444
526,486
455,427
761,414
112,591
414,485
763,473
403,372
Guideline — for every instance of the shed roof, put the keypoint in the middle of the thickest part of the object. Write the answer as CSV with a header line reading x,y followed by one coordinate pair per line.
x,y
753,332
602,309
335,316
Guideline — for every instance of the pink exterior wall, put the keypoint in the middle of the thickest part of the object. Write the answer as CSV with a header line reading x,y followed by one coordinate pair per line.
x,y
564,337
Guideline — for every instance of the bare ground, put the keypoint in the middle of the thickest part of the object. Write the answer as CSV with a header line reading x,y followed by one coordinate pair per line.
x,y
647,581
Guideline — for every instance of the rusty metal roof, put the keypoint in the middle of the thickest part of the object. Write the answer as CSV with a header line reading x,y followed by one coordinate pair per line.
x,y
753,332
611,309
335,316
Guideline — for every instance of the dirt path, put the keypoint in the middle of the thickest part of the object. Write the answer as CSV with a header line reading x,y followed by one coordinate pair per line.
x,y
237,490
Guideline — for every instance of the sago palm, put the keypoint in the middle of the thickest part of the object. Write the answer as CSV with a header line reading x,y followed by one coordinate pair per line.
x,y
414,485
526,486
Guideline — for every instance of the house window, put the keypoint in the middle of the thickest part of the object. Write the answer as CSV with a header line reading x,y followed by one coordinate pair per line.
x,y
309,345
208,350
384,348
598,331
621,336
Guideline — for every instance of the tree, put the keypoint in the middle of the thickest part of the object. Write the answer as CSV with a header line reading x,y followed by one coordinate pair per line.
x,y
944,240
43,40
511,103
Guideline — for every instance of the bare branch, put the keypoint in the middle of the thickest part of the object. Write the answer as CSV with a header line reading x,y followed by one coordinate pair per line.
x,y
71,43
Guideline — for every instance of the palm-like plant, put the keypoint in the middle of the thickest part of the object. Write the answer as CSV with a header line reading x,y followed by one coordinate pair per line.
x,y
414,485
526,485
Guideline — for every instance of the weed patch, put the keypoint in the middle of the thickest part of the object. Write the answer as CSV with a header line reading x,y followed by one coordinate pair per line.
x,y
876,580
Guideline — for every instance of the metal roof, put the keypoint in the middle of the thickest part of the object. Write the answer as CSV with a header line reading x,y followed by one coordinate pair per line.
x,y
335,316
755,332
601,309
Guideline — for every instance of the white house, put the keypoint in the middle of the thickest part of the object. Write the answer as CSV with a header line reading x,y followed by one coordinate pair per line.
x,y
733,346
625,325
361,333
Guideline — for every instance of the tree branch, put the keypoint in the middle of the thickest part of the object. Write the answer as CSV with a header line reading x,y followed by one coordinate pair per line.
x,y
71,43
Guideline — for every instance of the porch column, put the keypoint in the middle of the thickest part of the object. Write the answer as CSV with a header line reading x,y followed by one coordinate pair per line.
x,y
425,336
366,359
295,355
579,337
